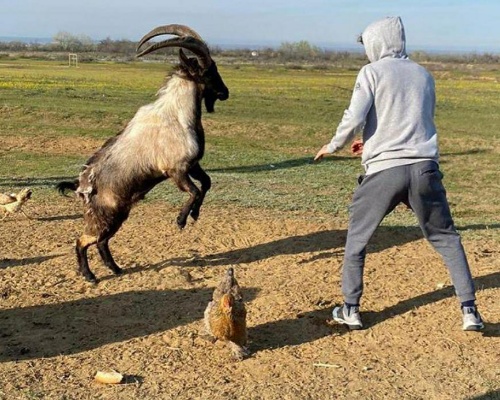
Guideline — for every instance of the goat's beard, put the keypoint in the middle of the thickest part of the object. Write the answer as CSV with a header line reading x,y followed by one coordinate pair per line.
x,y
210,99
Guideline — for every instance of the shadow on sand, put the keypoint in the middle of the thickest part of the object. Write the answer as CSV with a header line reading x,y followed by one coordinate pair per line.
x,y
310,326
8,262
329,242
81,325
50,181
275,166
493,395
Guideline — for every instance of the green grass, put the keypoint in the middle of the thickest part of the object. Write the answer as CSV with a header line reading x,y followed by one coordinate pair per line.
x,y
260,142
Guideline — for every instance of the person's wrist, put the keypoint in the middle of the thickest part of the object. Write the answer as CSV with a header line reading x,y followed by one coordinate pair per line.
x,y
330,148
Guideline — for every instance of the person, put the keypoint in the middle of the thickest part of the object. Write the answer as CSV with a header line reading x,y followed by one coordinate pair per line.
x,y
393,105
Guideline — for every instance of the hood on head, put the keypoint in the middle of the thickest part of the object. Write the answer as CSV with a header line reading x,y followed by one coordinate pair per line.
x,y
385,38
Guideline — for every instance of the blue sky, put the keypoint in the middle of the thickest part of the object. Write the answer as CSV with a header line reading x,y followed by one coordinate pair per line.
x,y
430,24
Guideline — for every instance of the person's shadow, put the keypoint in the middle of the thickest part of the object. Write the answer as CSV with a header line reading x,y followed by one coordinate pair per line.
x,y
313,325
80,325
493,395
328,242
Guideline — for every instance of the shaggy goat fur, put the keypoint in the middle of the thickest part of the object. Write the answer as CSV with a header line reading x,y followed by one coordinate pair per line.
x,y
163,140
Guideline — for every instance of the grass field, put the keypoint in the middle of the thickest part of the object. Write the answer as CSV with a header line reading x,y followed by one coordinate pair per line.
x,y
275,217
260,142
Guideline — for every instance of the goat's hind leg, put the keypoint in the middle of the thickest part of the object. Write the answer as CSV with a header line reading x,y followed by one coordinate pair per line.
x,y
185,184
82,245
107,258
196,172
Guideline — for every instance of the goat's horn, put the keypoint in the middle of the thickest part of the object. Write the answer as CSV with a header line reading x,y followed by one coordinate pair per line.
x,y
173,29
187,42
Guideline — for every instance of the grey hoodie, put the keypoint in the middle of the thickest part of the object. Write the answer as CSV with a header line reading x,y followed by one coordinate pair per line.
x,y
392,103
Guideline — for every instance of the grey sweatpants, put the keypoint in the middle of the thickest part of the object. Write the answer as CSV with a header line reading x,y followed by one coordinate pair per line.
x,y
420,186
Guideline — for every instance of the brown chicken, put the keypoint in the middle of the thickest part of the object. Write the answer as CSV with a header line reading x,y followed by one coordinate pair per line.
x,y
225,316
12,203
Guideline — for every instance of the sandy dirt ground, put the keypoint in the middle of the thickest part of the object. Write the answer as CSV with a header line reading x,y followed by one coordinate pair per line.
x,y
56,330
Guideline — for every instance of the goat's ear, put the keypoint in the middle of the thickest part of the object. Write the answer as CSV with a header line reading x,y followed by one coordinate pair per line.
x,y
183,58
187,63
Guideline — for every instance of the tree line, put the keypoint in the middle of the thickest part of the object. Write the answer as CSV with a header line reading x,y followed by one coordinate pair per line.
x,y
301,51
68,42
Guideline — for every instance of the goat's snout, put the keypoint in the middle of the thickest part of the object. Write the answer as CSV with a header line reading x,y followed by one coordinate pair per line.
x,y
224,95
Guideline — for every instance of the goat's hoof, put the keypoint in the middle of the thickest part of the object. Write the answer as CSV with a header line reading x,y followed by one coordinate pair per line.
x,y
195,215
181,222
91,279
116,270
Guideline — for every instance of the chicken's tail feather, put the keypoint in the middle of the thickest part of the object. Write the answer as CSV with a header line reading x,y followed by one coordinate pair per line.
x,y
66,185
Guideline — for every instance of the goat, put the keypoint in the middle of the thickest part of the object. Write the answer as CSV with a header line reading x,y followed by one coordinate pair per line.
x,y
165,139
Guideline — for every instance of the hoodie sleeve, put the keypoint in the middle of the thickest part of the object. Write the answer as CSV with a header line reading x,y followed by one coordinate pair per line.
x,y
355,116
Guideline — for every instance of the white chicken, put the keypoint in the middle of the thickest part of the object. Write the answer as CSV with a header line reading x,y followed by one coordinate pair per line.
x,y
13,203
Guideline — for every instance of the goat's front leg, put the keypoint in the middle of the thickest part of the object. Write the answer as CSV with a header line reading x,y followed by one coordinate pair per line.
x,y
196,172
185,184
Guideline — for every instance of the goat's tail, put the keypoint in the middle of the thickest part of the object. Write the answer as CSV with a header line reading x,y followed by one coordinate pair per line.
x,y
63,186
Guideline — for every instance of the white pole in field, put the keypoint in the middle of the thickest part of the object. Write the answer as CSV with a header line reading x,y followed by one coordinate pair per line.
x,y
73,59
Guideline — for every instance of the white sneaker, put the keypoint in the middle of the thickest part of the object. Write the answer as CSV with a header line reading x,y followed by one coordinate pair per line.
x,y
472,319
348,316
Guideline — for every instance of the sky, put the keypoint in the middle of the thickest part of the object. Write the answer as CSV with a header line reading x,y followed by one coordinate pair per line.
x,y
445,25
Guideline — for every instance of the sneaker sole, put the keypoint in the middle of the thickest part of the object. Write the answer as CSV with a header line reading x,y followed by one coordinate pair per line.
x,y
342,321
473,328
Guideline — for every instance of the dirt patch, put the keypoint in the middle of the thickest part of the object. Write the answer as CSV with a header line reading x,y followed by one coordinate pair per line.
x,y
47,145
56,330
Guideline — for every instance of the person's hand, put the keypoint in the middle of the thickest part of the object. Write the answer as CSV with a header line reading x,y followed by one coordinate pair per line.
x,y
357,147
321,153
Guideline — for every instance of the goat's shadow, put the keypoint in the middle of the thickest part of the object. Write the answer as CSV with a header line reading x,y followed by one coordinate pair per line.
x,y
60,218
278,165
81,325
8,262
50,181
